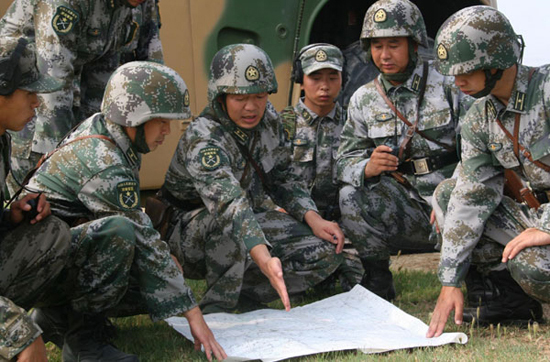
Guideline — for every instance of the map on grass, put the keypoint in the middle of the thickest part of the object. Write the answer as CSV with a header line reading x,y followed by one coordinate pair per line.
x,y
356,320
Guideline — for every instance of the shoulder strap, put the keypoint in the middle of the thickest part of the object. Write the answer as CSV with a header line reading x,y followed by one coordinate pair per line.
x,y
515,137
412,128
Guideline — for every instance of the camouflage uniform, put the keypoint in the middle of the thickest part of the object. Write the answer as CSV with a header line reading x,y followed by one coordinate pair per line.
x,y
78,41
478,220
219,195
31,256
381,215
97,179
314,141
145,43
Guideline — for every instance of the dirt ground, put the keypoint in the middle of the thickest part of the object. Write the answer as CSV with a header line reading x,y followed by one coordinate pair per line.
x,y
422,262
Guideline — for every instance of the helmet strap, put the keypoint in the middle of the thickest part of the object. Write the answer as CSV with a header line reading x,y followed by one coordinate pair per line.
x,y
490,82
140,142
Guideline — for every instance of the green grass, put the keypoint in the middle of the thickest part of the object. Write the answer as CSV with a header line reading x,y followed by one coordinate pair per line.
x,y
416,294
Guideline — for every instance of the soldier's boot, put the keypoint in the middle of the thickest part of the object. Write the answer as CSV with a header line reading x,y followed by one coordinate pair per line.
x,y
53,322
505,303
479,289
88,339
378,278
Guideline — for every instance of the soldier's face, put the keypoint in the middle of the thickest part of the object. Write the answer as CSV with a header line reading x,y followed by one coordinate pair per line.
x,y
17,109
246,110
155,132
321,89
390,55
471,83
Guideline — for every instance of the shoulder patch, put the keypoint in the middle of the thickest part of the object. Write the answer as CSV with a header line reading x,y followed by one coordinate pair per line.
x,y
288,117
64,20
128,194
210,157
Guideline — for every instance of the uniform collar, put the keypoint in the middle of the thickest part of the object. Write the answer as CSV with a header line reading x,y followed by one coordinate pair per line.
x,y
412,83
123,142
519,98
310,117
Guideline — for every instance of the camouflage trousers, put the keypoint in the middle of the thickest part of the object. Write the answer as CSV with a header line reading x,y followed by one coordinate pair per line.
x,y
384,219
206,253
31,257
530,268
95,280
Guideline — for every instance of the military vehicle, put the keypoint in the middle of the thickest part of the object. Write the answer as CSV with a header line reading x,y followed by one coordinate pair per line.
x,y
194,30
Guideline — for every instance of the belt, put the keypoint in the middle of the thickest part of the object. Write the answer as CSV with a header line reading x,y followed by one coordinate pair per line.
x,y
542,196
426,165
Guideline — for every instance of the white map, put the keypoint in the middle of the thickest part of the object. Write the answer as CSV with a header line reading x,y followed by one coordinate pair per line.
x,y
357,319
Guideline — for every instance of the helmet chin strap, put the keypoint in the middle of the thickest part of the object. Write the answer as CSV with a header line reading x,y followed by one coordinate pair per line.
x,y
140,143
490,81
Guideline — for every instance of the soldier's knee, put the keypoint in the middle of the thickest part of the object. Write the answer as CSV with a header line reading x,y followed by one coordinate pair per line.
x,y
534,278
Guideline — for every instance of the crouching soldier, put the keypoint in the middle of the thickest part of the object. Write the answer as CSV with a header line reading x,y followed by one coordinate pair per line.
x,y
226,164
313,128
506,131
92,182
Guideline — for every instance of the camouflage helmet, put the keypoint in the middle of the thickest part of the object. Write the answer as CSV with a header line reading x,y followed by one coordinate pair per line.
x,y
393,18
476,37
240,69
140,91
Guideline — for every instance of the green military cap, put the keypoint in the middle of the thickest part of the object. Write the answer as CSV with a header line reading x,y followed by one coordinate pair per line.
x,y
18,69
319,56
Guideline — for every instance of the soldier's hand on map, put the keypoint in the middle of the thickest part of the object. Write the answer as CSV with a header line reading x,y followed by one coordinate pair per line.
x,y
19,208
272,268
450,298
380,161
527,238
203,336
326,230
35,352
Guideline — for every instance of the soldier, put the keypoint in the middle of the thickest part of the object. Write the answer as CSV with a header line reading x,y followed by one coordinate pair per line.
x,y
225,165
79,42
313,130
33,248
397,144
505,130
92,182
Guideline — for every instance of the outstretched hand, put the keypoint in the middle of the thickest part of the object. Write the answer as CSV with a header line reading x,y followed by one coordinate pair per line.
x,y
272,268
450,298
203,336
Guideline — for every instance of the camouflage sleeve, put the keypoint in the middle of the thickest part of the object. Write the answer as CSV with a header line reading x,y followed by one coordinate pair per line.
x,y
221,191
477,194
17,329
355,145
149,40
116,191
290,189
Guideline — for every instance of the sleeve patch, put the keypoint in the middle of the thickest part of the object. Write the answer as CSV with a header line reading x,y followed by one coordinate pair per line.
x,y
128,194
210,157
64,20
